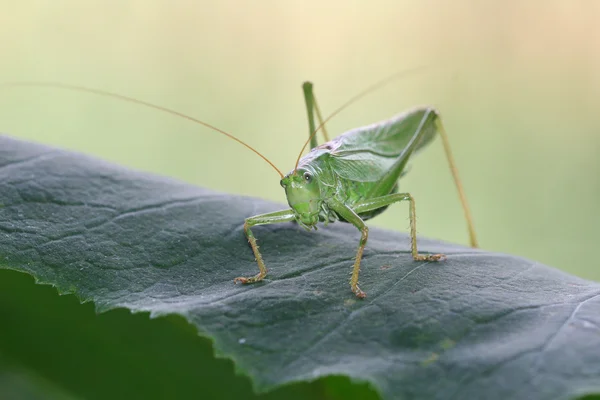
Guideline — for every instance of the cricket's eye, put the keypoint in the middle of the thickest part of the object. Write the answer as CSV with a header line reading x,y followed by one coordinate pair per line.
x,y
307,177
282,184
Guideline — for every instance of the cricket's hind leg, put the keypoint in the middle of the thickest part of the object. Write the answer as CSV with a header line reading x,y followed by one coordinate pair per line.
x,y
311,108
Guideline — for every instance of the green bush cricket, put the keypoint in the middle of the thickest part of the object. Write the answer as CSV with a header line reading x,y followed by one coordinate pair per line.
x,y
354,177
351,178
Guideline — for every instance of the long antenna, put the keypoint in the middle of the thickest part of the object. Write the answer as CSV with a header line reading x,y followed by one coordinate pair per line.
x,y
358,96
140,102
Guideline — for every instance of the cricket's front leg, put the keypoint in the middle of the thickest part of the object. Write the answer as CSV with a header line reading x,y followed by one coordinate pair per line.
x,y
383,201
263,219
351,216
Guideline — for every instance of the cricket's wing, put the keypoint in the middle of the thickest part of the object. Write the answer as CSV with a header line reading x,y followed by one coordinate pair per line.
x,y
368,153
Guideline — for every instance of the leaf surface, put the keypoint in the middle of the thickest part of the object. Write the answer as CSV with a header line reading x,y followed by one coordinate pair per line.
x,y
477,325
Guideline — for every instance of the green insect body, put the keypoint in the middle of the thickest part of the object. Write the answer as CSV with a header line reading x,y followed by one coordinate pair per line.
x,y
351,178
339,170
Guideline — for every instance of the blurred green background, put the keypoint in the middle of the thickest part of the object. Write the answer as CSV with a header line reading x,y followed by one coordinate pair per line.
x,y
517,83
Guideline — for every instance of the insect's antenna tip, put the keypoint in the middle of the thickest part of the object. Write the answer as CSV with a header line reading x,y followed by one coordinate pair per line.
x,y
99,92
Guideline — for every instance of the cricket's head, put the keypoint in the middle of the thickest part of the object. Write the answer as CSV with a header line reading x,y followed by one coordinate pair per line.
x,y
303,195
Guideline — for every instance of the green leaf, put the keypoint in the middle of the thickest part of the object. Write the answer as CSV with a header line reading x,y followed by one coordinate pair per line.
x,y
477,325
119,355
17,383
